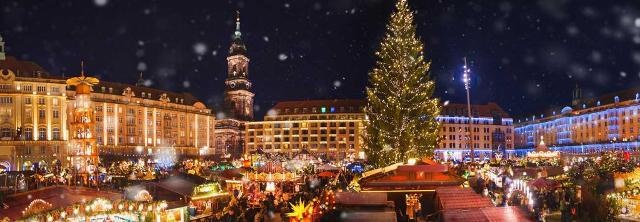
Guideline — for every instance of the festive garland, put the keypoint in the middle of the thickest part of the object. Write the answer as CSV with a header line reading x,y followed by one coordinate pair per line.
x,y
100,206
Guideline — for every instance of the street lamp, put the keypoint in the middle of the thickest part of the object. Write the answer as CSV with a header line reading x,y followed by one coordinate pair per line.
x,y
466,78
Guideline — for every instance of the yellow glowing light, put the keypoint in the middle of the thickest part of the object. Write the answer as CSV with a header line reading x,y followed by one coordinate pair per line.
x,y
299,209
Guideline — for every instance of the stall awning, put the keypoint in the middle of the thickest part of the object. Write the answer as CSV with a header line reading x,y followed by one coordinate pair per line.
x,y
496,214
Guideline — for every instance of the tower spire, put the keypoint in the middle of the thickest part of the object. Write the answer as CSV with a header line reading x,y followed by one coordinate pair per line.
x,y
140,81
237,33
82,68
2,55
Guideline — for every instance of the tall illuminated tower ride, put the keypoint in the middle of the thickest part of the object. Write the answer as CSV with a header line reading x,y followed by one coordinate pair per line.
x,y
83,152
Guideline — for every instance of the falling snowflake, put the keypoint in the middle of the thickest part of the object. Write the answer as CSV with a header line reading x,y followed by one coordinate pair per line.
x,y
287,5
147,83
337,84
623,74
140,53
282,57
214,52
272,112
220,115
446,102
100,3
637,22
265,38
186,84
142,66
256,107
140,43
636,57
200,48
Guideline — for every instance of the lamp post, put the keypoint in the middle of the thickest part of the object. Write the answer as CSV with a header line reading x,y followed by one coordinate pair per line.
x,y
466,78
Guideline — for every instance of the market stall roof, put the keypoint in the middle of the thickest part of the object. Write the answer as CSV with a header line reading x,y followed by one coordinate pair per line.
x,y
495,214
543,183
460,198
409,177
57,196
177,185
358,206
371,216
326,174
327,167
362,199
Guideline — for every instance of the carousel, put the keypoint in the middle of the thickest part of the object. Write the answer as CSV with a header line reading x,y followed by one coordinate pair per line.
x,y
543,152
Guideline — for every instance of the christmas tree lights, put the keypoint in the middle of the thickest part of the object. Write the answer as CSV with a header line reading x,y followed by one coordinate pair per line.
x,y
400,106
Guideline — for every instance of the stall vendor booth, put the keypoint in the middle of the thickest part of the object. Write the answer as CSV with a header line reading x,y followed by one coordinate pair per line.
x,y
101,209
204,199
626,199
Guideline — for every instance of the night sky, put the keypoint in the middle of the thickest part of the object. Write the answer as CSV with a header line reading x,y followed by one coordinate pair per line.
x,y
525,55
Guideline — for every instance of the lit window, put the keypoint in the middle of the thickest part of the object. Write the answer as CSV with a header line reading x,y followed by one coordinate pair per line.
x,y
42,133
56,134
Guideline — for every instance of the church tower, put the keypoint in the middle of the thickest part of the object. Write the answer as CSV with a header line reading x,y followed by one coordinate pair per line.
x,y
2,55
576,96
238,98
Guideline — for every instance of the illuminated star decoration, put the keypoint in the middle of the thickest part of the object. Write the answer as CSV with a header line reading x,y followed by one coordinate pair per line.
x,y
299,210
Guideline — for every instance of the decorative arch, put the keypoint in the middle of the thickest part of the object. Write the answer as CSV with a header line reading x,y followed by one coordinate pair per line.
x,y
36,206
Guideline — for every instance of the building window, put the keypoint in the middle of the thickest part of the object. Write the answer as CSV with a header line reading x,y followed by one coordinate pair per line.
x,y
41,88
42,133
56,114
41,101
28,134
27,100
27,88
56,134
55,89
41,113
6,100
6,132
55,101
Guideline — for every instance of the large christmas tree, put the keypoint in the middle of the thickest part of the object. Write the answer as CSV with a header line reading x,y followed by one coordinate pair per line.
x,y
400,104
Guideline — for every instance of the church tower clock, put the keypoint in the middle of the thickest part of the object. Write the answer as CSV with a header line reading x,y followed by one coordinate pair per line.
x,y
238,98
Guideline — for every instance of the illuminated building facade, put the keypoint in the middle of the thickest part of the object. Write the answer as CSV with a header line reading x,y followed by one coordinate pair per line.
x,y
130,120
492,132
133,120
326,127
335,127
33,113
591,125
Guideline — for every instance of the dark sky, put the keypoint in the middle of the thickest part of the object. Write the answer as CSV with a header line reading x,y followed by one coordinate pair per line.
x,y
526,55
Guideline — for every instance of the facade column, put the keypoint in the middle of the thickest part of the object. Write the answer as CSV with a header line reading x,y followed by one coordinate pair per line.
x,y
145,126
155,128
34,113
115,123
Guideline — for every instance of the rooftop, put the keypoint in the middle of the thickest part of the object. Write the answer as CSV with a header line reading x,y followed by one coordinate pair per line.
x,y
483,110
150,93
22,68
330,106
